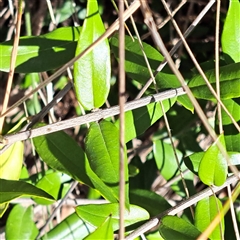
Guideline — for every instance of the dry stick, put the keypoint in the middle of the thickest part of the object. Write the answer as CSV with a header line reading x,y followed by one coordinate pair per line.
x,y
12,64
148,19
177,45
133,7
180,207
218,94
90,117
217,219
219,110
121,101
190,95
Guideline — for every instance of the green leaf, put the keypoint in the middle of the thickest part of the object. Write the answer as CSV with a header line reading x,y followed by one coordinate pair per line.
x,y
149,200
231,134
102,150
139,120
20,224
229,76
193,161
11,162
165,159
135,65
185,101
41,53
231,33
206,211
172,227
70,228
95,214
213,167
11,189
92,72
62,153
52,183
104,231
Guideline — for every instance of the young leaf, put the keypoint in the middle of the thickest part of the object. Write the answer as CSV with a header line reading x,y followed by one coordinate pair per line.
x,y
139,120
173,227
11,162
206,211
102,149
13,189
92,72
231,33
41,53
70,228
135,65
213,166
229,83
95,214
20,224
104,231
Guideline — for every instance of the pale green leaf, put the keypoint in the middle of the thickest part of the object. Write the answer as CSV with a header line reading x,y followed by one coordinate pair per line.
x,y
92,72
20,224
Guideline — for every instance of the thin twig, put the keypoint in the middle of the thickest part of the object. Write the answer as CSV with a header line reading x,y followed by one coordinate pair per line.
x,y
121,101
90,117
12,63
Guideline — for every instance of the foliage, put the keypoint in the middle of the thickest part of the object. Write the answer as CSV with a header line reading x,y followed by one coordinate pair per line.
x,y
95,163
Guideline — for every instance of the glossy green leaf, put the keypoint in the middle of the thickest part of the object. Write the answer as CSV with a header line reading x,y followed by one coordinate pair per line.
x,y
52,183
165,159
102,150
62,153
11,189
96,214
11,162
231,33
139,120
185,101
206,211
213,167
135,65
229,76
70,228
193,161
172,227
104,231
231,134
92,72
41,53
20,224
10,167
148,200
